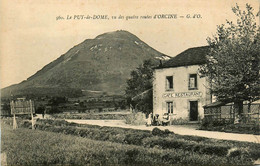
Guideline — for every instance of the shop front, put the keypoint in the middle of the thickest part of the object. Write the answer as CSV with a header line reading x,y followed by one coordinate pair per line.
x,y
178,90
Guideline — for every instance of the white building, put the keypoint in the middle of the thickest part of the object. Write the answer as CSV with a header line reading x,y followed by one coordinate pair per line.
x,y
177,87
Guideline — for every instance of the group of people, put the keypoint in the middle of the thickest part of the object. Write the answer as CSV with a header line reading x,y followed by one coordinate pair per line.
x,y
156,121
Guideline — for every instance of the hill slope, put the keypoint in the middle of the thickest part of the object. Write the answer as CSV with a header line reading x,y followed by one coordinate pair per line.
x,y
100,64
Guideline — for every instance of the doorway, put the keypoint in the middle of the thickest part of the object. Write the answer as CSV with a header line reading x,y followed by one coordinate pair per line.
x,y
193,110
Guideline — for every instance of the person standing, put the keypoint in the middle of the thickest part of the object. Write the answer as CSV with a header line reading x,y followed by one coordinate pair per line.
x,y
43,113
149,120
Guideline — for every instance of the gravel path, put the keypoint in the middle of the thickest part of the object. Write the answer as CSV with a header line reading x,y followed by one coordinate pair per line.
x,y
178,129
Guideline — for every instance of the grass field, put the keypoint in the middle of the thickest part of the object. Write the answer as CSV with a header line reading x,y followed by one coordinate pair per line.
x,y
35,147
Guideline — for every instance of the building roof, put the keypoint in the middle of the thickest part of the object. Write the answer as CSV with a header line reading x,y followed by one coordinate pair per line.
x,y
191,56
215,104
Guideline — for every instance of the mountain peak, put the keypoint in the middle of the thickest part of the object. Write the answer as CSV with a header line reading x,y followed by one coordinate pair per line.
x,y
119,34
100,64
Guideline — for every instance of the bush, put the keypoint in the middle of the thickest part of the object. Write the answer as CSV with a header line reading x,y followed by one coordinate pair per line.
x,y
130,156
135,119
233,152
227,126
92,116
173,143
136,138
254,153
157,132
213,149
128,136
179,121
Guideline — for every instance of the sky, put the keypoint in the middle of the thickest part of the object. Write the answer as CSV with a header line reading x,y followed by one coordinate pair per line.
x,y
31,36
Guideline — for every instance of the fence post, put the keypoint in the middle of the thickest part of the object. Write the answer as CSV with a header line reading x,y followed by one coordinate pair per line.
x,y
258,119
31,110
231,114
14,123
14,118
249,111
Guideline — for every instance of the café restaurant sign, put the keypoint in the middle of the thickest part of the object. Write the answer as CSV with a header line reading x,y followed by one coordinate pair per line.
x,y
182,94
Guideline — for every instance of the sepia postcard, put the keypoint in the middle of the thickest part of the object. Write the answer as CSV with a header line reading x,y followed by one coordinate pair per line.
x,y
116,82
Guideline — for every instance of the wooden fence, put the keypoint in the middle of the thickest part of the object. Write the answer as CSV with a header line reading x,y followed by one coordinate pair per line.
x,y
226,113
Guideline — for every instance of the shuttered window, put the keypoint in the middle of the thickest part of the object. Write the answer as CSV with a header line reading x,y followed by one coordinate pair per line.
x,y
169,82
193,81
169,107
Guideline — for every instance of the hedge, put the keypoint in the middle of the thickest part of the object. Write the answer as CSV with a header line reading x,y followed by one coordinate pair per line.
x,y
156,138
48,148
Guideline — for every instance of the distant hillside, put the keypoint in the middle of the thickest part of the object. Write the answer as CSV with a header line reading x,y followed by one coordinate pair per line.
x,y
101,64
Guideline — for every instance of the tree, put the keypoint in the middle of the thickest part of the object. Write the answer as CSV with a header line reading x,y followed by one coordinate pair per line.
x,y
139,88
40,109
233,61
55,101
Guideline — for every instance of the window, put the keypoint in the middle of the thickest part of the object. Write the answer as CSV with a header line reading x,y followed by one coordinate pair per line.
x,y
193,81
169,107
169,82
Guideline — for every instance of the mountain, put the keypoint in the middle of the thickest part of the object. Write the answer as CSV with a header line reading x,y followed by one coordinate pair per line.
x,y
102,64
